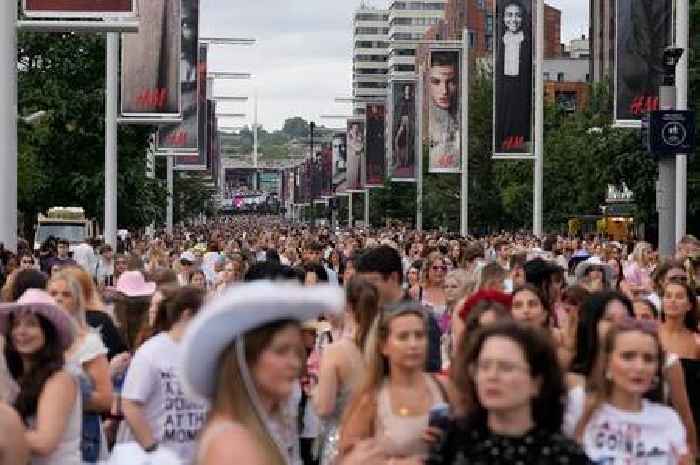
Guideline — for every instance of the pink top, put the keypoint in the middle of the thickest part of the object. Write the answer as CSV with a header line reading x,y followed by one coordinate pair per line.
x,y
402,436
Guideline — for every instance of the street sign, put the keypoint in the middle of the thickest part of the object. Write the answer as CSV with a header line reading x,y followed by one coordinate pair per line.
x,y
669,132
79,8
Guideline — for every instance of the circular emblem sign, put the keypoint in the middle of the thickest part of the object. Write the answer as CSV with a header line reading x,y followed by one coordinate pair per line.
x,y
674,133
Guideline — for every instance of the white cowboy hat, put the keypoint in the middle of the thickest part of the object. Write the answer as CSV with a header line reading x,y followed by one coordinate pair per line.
x,y
240,309
583,267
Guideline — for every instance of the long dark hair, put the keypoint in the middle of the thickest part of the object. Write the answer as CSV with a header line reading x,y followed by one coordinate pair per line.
x,y
691,319
176,300
548,406
45,363
587,339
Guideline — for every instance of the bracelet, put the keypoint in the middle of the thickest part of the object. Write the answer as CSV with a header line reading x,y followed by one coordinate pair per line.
x,y
151,448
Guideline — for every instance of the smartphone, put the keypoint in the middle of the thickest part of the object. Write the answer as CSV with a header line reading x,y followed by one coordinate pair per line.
x,y
439,416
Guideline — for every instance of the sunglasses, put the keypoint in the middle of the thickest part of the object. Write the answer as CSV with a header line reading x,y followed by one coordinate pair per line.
x,y
439,267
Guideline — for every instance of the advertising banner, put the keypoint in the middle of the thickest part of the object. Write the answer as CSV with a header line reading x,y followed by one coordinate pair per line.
x,y
340,159
327,170
198,161
150,78
79,8
375,151
643,31
182,137
444,111
513,82
355,153
403,132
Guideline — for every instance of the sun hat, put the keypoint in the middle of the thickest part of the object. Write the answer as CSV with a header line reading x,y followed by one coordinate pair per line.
x,y
242,308
133,284
593,262
39,302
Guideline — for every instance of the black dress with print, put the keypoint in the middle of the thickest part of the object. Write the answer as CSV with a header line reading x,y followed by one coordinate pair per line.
x,y
461,446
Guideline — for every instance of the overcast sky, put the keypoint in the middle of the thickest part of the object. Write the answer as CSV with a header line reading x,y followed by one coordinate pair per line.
x,y
303,57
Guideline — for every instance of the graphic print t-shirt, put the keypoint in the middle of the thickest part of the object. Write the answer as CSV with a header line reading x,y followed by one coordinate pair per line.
x,y
652,436
152,381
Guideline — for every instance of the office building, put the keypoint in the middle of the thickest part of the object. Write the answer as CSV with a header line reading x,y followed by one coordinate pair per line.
x,y
408,22
370,55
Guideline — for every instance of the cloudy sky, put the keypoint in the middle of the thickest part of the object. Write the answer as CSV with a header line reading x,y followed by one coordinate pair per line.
x,y
302,60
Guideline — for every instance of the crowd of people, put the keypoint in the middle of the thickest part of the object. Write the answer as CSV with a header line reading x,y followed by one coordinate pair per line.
x,y
258,341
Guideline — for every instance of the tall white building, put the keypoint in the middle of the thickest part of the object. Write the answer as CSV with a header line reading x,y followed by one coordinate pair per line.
x,y
408,22
370,54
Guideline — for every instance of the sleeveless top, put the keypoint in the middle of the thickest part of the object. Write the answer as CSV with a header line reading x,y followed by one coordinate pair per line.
x,y
403,436
329,440
68,450
691,373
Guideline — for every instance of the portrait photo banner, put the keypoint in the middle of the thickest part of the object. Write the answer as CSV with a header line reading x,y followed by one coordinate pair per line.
x,y
644,29
375,153
79,8
184,136
402,166
199,162
355,153
444,91
340,160
513,80
150,78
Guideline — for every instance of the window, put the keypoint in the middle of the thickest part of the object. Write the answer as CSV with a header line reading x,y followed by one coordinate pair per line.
x,y
489,42
560,77
489,23
472,39
546,76
403,68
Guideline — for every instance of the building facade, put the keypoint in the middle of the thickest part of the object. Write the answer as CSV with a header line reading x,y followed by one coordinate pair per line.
x,y
370,55
602,39
408,22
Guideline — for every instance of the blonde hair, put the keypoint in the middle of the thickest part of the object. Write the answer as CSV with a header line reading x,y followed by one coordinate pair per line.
x,y
76,290
427,264
638,252
91,297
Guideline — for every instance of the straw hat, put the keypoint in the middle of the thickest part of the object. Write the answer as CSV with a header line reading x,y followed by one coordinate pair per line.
x,y
239,310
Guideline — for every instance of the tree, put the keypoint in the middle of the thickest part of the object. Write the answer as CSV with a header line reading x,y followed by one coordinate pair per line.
x,y
296,127
61,159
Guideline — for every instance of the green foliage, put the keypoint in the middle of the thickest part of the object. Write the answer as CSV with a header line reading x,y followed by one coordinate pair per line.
x,y
61,157
193,195
296,127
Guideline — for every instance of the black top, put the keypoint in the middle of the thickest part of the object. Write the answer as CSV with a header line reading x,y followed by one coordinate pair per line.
x,y
108,332
460,446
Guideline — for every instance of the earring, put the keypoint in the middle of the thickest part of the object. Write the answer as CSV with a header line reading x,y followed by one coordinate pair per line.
x,y
608,376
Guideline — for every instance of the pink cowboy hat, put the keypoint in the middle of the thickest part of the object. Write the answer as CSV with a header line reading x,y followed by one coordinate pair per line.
x,y
40,302
133,284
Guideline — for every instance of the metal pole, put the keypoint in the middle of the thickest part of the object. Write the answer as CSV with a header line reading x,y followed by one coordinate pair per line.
x,y
367,208
538,185
350,210
255,142
682,18
8,125
464,197
419,151
171,200
111,170
666,194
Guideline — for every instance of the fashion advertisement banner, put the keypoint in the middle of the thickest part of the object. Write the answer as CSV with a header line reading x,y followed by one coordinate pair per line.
x,y
513,82
375,152
183,136
211,120
327,170
339,161
198,161
150,78
355,153
444,111
643,31
402,166
78,8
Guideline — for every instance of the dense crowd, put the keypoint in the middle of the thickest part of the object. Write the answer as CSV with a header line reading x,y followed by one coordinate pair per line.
x,y
257,341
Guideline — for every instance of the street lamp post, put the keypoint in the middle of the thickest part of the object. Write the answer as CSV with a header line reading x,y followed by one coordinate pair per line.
x,y
8,124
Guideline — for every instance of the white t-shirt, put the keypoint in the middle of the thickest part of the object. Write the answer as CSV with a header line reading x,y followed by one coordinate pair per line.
x,y
652,436
151,380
